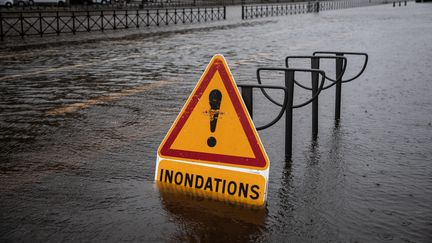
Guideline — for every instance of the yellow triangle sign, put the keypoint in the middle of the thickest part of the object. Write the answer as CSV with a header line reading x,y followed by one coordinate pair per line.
x,y
232,138
214,130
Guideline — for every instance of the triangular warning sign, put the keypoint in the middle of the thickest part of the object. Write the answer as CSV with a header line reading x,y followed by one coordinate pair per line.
x,y
214,126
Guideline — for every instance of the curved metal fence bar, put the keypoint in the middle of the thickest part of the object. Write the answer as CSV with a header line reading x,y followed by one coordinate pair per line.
x,y
31,23
248,99
341,54
334,81
316,87
287,70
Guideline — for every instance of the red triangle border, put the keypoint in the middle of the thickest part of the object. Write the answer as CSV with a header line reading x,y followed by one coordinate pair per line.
x,y
259,160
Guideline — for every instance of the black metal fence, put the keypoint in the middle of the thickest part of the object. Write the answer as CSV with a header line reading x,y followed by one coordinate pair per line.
x,y
22,24
280,9
348,4
268,10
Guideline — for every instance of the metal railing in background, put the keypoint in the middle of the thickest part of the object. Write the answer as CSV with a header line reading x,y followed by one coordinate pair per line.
x,y
400,3
332,5
270,10
252,11
42,23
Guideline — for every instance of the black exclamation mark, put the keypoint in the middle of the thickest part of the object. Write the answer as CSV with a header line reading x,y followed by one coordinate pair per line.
x,y
215,98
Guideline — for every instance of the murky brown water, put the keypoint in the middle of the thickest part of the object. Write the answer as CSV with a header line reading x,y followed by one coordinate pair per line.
x,y
80,125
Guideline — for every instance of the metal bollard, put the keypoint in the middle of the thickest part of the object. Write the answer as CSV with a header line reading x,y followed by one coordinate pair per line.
x,y
247,95
338,88
394,4
315,65
289,84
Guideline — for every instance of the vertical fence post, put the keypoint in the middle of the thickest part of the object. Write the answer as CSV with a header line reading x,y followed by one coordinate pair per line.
x,y
88,21
199,14
246,93
1,27
73,23
40,24
166,16
137,19
148,18
242,11
22,25
224,12
175,16
102,23
114,17
289,84
157,17
183,17
58,24
315,64
338,87
243,14
126,19
205,14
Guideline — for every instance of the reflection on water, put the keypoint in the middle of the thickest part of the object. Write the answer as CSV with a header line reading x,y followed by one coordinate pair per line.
x,y
80,126
202,219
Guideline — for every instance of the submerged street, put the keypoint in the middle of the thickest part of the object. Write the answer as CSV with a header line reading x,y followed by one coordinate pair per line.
x,y
80,125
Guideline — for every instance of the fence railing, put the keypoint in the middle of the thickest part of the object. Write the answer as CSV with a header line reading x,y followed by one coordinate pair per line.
x,y
281,9
269,10
331,5
42,23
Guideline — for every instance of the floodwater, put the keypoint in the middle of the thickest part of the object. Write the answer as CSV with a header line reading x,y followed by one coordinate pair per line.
x,y
80,125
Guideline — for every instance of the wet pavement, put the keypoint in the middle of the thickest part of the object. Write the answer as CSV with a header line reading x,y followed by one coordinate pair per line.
x,y
80,125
